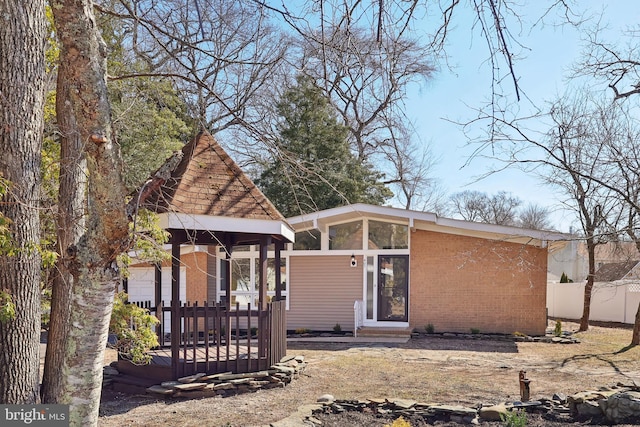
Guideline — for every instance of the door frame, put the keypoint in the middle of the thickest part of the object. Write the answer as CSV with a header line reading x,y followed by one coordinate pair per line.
x,y
374,256
405,317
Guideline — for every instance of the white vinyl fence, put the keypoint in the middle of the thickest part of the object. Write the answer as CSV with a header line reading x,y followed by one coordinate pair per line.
x,y
610,301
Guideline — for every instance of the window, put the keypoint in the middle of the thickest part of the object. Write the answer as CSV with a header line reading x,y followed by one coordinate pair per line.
x,y
307,241
242,290
271,274
245,276
346,236
386,235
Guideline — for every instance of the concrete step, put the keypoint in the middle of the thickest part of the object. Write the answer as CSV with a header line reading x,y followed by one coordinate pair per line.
x,y
372,332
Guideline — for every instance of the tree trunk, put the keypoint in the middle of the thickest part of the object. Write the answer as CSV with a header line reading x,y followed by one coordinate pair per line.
x,y
70,221
83,107
588,287
635,337
22,76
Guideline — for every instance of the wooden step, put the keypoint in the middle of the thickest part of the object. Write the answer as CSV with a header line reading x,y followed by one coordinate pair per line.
x,y
372,332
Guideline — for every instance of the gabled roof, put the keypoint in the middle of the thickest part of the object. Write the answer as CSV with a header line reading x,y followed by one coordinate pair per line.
x,y
207,190
425,221
208,182
616,271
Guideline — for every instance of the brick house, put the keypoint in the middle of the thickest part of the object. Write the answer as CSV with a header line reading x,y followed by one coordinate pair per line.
x,y
405,269
357,266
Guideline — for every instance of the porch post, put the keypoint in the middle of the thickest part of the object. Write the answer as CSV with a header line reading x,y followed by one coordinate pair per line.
x,y
279,245
228,248
262,291
263,321
158,284
175,308
157,296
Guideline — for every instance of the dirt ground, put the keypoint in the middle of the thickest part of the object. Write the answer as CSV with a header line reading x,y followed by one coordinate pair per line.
x,y
428,369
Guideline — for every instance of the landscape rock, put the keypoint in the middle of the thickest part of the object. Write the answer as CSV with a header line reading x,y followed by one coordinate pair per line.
x,y
403,403
225,384
156,389
589,409
110,371
326,398
559,397
619,404
622,407
190,386
493,412
190,378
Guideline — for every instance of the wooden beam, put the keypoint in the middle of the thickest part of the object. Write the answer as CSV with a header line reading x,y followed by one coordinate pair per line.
x,y
158,300
175,309
279,244
262,263
228,249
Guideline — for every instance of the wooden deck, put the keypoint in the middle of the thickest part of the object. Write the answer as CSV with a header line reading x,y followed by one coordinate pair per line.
x,y
221,346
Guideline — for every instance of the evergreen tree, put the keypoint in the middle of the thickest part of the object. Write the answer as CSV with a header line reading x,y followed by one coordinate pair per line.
x,y
313,168
150,119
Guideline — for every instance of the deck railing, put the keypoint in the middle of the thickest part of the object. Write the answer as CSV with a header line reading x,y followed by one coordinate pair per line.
x,y
208,337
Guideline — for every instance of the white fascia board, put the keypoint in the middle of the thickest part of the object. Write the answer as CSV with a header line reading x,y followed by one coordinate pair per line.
x,y
220,223
493,231
359,210
429,221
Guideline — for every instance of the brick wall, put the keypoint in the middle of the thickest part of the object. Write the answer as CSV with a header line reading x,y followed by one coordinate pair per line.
x,y
197,277
459,283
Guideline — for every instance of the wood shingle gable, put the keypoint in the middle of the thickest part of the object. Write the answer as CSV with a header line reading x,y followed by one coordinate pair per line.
x,y
207,181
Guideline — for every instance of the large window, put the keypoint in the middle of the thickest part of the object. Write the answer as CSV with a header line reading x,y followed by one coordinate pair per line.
x,y
346,236
386,235
307,241
245,277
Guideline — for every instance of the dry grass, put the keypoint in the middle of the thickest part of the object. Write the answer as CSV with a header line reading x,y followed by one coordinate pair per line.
x,y
432,369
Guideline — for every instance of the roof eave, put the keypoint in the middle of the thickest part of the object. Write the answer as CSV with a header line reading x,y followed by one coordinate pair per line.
x,y
181,221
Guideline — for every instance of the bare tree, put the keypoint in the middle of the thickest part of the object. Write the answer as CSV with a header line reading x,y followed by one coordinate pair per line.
x,y
620,174
572,155
469,204
219,54
617,63
411,174
534,217
501,208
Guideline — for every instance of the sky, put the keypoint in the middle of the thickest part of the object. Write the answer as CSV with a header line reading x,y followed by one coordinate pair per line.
x,y
450,94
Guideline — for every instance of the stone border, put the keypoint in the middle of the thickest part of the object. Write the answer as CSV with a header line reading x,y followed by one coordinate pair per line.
x,y
223,384
608,405
565,338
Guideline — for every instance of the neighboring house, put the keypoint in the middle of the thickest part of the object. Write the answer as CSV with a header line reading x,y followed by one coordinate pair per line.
x,y
573,258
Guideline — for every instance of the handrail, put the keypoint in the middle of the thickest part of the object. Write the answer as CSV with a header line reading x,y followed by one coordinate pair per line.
x,y
358,316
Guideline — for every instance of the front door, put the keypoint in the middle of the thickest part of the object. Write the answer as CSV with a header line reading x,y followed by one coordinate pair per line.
x,y
393,289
